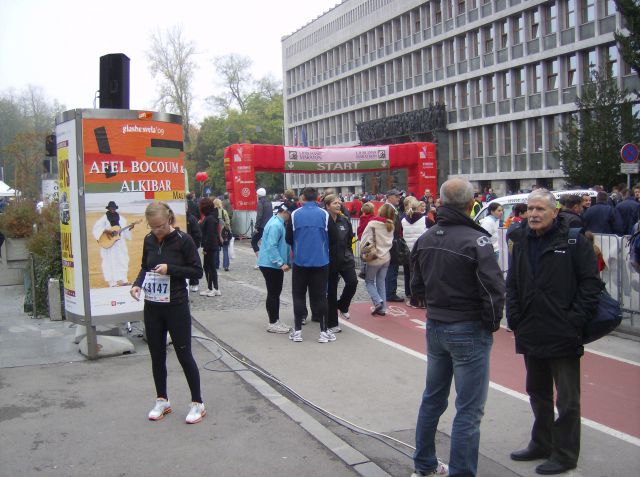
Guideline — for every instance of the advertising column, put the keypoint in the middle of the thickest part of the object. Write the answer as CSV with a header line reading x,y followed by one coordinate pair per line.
x,y
119,162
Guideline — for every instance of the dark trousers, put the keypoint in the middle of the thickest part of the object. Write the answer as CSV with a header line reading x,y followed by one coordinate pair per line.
x,y
561,436
255,238
313,279
273,277
209,266
407,280
334,304
175,319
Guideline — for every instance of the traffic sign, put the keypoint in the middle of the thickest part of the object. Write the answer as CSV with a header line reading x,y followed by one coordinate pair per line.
x,y
629,152
626,168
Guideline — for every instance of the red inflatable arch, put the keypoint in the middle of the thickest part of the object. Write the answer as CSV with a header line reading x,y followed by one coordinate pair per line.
x,y
242,161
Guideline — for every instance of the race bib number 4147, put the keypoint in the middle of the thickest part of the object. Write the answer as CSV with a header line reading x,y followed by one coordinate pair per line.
x,y
157,287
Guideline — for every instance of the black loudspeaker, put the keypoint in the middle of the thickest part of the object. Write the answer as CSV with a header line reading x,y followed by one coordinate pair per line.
x,y
114,81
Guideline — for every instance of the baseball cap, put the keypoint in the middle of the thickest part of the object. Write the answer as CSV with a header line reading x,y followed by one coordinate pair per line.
x,y
393,192
261,192
280,208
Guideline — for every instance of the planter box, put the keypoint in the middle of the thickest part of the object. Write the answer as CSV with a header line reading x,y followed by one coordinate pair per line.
x,y
16,249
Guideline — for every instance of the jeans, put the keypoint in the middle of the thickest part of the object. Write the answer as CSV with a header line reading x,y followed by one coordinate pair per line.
x,y
560,436
313,279
225,257
391,280
459,351
374,281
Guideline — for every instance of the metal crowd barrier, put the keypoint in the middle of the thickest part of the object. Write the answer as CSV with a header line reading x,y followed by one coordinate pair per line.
x,y
622,282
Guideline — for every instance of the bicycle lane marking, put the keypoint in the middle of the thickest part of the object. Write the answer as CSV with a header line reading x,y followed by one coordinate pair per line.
x,y
610,388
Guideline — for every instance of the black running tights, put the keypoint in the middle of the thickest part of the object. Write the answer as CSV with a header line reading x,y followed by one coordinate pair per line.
x,y
176,319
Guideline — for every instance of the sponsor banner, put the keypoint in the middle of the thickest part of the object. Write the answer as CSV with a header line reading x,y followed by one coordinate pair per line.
x,y
300,159
69,218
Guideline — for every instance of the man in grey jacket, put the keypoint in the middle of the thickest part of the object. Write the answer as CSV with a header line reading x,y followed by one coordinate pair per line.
x,y
456,271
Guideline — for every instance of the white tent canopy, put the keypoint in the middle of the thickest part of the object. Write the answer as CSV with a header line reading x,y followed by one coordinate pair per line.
x,y
6,191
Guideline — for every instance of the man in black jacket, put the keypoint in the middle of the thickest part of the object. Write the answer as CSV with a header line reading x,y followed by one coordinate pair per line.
x,y
571,211
456,271
552,291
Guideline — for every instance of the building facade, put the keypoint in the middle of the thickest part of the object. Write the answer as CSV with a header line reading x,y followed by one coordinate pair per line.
x,y
506,71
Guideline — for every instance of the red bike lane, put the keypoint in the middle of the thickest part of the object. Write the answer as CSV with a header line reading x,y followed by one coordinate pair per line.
x,y
610,387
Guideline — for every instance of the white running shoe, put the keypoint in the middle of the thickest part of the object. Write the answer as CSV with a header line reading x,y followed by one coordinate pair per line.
x,y
335,329
278,327
217,292
442,469
205,293
196,413
326,336
213,292
161,408
344,314
194,288
295,336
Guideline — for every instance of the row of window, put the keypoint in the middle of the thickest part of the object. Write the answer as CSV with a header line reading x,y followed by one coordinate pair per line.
x,y
522,27
555,73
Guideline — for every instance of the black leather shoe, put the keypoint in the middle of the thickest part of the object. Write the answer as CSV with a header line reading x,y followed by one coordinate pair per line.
x,y
395,298
529,453
552,468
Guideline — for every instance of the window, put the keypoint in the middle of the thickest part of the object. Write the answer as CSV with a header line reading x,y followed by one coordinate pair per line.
x,y
427,15
569,20
518,26
462,48
490,88
437,51
479,142
464,94
611,54
475,43
428,59
534,24
550,17
491,139
572,66
519,81
552,74
505,86
449,9
450,52
521,137
454,147
452,97
506,138
587,11
487,33
461,7
536,77
588,64
609,8
476,86
536,124
553,132
503,29
437,12
466,144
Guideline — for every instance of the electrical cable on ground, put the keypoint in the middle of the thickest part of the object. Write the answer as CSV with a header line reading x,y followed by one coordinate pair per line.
x,y
380,437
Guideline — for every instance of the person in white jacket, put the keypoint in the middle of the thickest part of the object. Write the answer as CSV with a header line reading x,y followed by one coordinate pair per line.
x,y
379,230
491,223
414,224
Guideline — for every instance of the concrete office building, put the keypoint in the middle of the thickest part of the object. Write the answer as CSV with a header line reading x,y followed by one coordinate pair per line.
x,y
506,71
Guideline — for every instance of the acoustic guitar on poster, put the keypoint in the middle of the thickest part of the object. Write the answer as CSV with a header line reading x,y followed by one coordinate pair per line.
x,y
110,237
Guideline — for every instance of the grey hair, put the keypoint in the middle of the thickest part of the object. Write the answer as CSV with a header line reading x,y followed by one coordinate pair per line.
x,y
456,193
543,194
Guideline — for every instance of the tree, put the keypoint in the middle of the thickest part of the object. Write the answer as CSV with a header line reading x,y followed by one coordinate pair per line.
x,y
235,78
629,45
25,119
594,135
171,58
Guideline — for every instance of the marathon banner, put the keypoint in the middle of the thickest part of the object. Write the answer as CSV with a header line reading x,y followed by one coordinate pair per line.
x,y
336,159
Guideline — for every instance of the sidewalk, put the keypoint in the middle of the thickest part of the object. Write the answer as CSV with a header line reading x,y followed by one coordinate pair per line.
x,y
62,415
